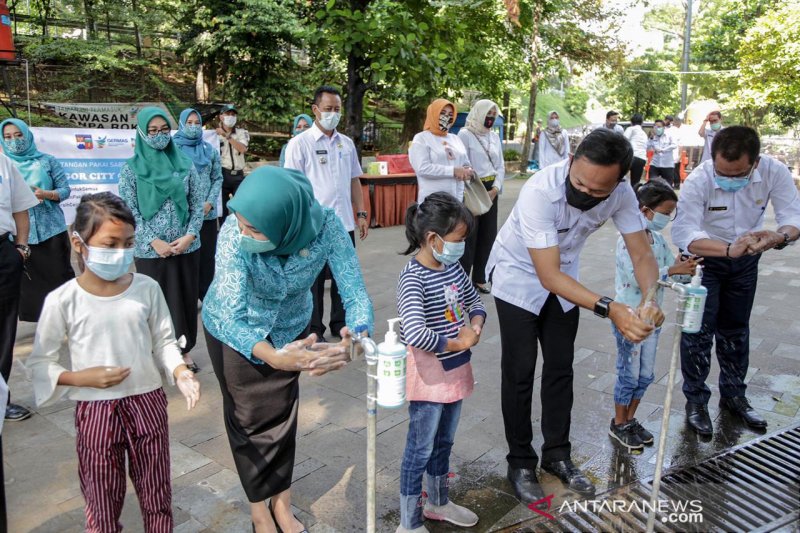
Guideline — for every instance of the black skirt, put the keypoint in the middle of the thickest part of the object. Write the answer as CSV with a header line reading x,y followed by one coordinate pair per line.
x,y
208,249
260,410
48,267
178,276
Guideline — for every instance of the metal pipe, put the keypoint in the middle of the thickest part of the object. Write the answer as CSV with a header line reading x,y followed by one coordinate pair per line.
x,y
687,39
673,367
28,89
371,355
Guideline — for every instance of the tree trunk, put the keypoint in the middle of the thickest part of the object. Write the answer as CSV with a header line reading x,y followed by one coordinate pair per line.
x,y
200,86
534,80
137,35
356,87
413,121
88,8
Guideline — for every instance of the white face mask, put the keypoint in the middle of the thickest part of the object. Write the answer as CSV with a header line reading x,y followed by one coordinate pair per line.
x,y
229,120
329,120
553,122
107,263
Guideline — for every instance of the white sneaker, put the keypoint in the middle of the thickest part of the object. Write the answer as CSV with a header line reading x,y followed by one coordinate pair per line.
x,y
450,512
420,529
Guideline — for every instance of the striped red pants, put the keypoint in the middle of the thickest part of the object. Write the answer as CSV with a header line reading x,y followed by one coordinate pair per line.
x,y
106,430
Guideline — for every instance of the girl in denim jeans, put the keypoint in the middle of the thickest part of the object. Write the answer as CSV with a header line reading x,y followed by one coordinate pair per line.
x,y
658,203
442,319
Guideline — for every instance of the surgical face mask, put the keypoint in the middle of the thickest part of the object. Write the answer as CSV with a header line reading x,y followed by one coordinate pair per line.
x,y
729,184
444,121
255,246
229,120
659,222
716,126
488,122
451,251
193,131
159,141
107,263
329,120
659,131
17,145
553,122
579,199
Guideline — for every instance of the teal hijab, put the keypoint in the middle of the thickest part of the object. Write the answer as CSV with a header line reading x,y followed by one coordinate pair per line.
x,y
159,173
298,118
197,150
27,162
280,203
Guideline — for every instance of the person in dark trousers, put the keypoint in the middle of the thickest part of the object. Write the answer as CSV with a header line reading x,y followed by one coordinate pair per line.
x,y
233,144
534,273
720,218
638,139
16,198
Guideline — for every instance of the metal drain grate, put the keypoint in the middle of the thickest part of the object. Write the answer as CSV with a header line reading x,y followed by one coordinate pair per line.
x,y
753,487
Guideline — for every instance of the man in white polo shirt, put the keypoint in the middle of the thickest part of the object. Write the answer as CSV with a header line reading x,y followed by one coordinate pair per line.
x,y
330,160
720,218
534,273
16,198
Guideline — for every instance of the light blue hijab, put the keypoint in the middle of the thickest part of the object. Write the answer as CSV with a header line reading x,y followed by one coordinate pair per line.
x,y
197,150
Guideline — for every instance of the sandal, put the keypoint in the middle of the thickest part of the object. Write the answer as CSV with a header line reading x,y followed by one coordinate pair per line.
x,y
484,288
193,367
275,520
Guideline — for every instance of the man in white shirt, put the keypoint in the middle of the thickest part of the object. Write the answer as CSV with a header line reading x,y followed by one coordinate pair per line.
x,y
677,135
233,143
638,139
533,269
16,198
663,145
720,217
708,130
612,122
330,161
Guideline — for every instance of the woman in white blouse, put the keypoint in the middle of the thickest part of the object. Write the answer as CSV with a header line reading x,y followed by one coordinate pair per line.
x,y
638,139
438,157
486,155
553,142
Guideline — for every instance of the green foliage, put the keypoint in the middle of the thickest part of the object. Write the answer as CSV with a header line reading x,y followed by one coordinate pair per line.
x,y
547,102
94,56
651,94
511,155
575,101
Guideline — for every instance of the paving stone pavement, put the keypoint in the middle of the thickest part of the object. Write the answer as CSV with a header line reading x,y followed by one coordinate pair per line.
x,y
329,477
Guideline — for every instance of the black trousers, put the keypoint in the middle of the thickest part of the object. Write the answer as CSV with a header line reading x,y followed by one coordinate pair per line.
x,y
520,331
337,308
10,280
665,173
479,245
230,183
637,169
208,249
676,183
731,285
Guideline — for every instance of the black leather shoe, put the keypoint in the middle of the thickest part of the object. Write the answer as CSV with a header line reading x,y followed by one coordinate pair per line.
x,y
741,407
570,476
15,413
698,419
526,484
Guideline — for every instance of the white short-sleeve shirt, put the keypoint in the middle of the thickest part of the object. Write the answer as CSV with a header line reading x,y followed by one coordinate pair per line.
x,y
15,195
331,164
541,218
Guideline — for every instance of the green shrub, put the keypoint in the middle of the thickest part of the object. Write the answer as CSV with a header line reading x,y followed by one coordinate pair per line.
x,y
511,155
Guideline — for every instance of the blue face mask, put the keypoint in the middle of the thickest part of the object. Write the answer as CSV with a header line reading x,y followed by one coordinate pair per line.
x,y
107,263
17,145
193,131
255,246
729,184
451,251
159,141
659,222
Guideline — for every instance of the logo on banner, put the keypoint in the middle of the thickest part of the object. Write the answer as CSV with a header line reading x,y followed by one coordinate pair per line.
x,y
101,142
83,141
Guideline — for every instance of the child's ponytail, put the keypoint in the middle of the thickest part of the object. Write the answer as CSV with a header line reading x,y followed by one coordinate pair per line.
x,y
440,213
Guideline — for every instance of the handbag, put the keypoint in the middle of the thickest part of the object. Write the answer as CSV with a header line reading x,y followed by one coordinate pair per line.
x,y
476,197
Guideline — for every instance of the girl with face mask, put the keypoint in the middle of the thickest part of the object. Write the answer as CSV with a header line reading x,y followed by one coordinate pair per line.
x,y
49,263
116,330
162,189
442,316
438,157
635,362
300,124
189,139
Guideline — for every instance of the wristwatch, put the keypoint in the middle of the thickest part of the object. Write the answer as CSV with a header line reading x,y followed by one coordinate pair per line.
x,y
362,214
785,242
25,249
602,307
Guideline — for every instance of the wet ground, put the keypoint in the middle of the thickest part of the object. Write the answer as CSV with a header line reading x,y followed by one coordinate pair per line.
x,y
329,489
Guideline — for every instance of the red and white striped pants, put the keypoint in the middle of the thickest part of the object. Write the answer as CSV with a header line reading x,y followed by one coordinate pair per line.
x,y
106,430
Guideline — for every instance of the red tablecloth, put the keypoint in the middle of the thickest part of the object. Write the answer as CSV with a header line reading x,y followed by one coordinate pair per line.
x,y
390,197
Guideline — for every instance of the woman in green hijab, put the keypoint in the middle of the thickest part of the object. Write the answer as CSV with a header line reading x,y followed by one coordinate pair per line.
x,y
161,187
256,316
301,123
49,264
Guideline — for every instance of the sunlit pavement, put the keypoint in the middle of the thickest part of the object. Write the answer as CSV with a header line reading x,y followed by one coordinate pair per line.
x,y
329,477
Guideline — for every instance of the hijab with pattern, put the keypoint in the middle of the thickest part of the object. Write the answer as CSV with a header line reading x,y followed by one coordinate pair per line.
x,y
432,118
27,162
554,136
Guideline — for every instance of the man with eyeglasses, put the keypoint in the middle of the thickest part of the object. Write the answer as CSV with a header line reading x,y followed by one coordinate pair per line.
x,y
720,218
534,268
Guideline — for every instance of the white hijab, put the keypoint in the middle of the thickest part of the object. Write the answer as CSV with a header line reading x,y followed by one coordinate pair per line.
x,y
477,115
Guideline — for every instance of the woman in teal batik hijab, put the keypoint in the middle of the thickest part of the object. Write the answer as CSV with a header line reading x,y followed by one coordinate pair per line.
x,y
301,123
49,264
256,317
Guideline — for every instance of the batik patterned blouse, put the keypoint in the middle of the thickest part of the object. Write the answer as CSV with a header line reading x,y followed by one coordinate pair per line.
x,y
47,218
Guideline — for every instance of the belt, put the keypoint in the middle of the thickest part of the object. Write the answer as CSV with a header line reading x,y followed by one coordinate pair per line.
x,y
488,178
234,172
5,236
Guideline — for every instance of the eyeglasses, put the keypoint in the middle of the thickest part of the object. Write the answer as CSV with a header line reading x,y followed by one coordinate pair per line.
x,y
742,177
156,131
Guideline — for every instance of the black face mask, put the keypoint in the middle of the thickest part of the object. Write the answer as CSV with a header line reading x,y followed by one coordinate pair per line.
x,y
488,122
579,199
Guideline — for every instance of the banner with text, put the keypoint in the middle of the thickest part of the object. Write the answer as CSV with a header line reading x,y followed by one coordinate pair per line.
x,y
93,158
108,116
